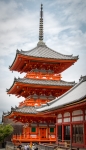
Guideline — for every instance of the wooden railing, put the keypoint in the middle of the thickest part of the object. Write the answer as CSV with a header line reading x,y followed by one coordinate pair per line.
x,y
30,138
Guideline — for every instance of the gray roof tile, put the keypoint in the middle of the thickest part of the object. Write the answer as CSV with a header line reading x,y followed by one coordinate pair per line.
x,y
26,109
44,82
42,51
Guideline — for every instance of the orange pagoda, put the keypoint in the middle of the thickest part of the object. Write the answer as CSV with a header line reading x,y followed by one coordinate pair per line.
x,y
41,84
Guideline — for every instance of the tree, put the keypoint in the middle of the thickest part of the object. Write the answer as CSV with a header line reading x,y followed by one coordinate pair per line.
x,y
5,130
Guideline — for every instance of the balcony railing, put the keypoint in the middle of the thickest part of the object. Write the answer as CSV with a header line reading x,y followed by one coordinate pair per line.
x,y
33,138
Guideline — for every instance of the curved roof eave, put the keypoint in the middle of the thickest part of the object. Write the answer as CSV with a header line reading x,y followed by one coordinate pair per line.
x,y
42,82
7,90
75,94
44,52
14,59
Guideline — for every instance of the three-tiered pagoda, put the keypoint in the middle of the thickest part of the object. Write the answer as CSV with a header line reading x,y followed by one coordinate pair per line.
x,y
41,84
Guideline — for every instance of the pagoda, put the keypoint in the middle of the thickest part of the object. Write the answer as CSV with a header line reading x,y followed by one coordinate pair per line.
x,y
41,84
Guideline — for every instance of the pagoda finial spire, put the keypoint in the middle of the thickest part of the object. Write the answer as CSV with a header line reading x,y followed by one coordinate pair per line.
x,y
41,24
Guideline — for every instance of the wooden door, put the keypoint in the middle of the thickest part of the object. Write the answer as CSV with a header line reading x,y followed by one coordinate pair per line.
x,y
67,132
85,133
42,133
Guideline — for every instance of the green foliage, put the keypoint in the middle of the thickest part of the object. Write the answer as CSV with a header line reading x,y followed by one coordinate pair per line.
x,y
5,130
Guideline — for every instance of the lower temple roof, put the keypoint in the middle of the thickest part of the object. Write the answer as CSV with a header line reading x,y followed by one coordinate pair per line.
x,y
22,110
25,109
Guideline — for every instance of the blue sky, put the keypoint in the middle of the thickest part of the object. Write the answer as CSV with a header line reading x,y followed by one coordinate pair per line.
x,y
64,31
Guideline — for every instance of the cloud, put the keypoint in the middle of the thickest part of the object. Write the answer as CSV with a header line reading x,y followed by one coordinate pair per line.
x,y
64,31
16,27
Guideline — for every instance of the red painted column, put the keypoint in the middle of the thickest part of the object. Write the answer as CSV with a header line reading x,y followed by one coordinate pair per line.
x,y
56,135
62,132
48,132
84,126
84,135
56,132
37,130
71,127
71,130
62,127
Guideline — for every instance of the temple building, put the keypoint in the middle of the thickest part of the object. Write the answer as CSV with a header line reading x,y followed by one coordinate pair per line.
x,y
70,112
52,108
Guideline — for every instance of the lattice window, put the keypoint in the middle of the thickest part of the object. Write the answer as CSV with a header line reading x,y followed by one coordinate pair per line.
x,y
66,117
77,115
66,114
59,118
51,129
78,133
33,129
77,112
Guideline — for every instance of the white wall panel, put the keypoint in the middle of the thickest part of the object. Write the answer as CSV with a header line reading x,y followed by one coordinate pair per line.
x,y
77,112
59,116
52,136
66,114
34,136
79,118
66,119
59,120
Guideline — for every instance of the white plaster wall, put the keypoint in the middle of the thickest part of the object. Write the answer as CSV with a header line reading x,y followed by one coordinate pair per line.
x,y
77,112
78,118
66,119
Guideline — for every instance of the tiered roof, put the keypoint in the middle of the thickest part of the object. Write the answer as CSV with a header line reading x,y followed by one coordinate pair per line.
x,y
42,51
36,82
75,95
44,55
22,86
39,59
25,110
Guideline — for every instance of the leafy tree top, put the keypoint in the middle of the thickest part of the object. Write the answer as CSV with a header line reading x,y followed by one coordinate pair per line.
x,y
5,130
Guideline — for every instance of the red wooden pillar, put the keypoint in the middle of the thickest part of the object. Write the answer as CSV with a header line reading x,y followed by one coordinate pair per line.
x,y
62,132
84,138
29,130
71,128
48,132
56,133
62,127
84,126
37,130
71,133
